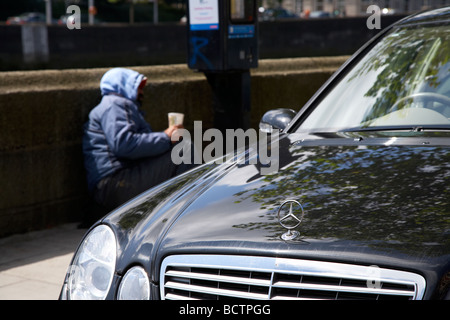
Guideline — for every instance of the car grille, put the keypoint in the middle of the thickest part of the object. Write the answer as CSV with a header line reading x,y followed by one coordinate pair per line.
x,y
213,277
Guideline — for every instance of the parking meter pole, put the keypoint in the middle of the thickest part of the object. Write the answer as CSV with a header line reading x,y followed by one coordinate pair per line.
x,y
231,99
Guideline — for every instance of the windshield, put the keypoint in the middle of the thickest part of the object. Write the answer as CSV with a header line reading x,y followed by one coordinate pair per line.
x,y
403,81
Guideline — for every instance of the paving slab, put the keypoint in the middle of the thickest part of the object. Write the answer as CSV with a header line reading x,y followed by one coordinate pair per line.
x,y
33,265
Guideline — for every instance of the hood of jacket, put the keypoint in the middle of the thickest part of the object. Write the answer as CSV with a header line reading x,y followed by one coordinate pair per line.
x,y
124,82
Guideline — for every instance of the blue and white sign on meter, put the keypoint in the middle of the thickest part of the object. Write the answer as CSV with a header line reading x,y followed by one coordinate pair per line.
x,y
204,14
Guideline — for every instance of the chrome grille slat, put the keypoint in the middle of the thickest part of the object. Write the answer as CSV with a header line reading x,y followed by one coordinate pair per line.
x,y
248,277
215,291
294,298
171,296
199,276
341,289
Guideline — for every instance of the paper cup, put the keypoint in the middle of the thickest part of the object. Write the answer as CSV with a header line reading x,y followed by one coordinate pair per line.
x,y
175,118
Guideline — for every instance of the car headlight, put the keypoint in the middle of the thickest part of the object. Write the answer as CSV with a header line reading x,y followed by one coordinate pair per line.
x,y
135,285
91,273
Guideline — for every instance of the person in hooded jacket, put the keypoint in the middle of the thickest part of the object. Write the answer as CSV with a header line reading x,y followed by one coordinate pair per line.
x,y
123,156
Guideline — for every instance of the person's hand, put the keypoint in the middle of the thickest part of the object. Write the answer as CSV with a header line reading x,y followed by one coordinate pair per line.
x,y
171,132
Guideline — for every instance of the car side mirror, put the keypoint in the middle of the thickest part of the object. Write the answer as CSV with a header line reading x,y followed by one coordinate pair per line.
x,y
276,119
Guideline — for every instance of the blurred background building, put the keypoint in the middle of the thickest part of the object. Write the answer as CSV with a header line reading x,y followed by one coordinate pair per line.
x,y
36,34
352,8
150,11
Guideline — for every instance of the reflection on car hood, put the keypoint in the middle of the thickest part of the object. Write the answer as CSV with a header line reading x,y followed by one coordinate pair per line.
x,y
373,202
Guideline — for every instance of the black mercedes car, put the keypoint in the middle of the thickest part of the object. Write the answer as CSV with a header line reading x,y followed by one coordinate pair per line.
x,y
358,207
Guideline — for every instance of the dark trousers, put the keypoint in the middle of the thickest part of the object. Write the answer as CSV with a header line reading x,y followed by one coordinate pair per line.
x,y
127,183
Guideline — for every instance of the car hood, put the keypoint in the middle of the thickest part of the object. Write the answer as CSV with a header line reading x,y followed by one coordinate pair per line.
x,y
374,200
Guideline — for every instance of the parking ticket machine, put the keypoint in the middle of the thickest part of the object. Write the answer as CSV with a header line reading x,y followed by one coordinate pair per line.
x,y
222,35
223,44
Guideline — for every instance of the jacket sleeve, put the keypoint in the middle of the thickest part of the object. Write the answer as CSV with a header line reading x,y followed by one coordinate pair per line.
x,y
129,136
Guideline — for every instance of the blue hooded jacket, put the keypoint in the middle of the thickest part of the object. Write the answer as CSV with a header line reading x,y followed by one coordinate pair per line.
x,y
116,132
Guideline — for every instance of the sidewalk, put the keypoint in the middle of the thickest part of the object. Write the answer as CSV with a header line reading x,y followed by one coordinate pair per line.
x,y
33,265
